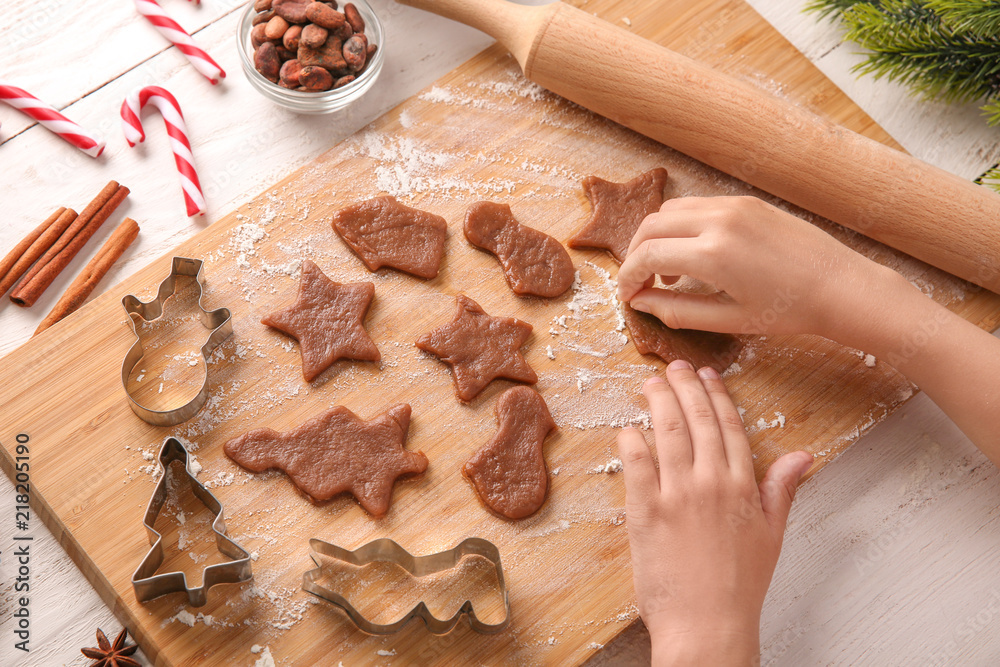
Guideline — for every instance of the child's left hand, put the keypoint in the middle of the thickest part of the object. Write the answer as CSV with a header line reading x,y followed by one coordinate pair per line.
x,y
705,537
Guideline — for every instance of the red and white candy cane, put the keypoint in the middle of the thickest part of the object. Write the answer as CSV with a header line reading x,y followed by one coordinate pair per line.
x,y
162,99
51,119
179,37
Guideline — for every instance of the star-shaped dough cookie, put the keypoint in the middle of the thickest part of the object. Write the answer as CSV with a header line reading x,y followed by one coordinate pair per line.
x,y
327,319
336,452
619,209
480,348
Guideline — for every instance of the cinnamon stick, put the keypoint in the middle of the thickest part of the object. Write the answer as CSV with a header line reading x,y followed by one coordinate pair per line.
x,y
92,274
33,246
69,244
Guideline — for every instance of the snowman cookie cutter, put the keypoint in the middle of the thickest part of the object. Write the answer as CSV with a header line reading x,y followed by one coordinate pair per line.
x,y
218,321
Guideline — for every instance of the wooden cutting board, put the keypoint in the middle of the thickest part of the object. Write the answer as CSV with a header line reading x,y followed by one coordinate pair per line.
x,y
481,132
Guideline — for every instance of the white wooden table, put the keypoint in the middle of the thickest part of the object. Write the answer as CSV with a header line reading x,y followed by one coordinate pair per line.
x,y
890,556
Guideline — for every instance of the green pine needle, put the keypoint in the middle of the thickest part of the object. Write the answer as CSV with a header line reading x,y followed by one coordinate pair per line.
x,y
979,17
992,111
991,178
834,7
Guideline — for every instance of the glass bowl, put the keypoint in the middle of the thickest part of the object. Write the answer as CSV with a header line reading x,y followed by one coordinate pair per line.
x,y
325,101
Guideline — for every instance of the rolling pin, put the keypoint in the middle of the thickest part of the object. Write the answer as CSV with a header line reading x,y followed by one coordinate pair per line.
x,y
779,147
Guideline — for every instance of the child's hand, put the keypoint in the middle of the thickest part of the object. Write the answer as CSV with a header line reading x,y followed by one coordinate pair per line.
x,y
779,274
704,536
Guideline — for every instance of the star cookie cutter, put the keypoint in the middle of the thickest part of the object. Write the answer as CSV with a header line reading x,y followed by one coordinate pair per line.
x,y
218,320
386,550
145,582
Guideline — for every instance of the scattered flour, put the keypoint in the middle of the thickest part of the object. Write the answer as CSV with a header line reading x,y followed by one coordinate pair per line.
x,y
762,424
612,466
185,617
265,659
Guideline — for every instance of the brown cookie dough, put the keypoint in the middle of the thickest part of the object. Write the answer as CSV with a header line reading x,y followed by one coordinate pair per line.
x,y
533,263
336,452
700,348
480,348
327,319
619,209
384,232
509,471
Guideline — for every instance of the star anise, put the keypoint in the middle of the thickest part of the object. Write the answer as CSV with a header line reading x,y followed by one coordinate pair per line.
x,y
112,655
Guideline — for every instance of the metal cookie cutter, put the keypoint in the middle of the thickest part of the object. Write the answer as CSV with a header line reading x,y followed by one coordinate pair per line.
x,y
386,550
219,321
145,582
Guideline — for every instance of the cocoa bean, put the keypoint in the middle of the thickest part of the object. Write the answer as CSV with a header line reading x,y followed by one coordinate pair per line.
x,y
289,74
344,32
356,52
343,81
323,16
263,17
315,79
372,48
329,56
284,54
313,36
291,37
354,17
293,11
262,5
275,28
257,36
265,59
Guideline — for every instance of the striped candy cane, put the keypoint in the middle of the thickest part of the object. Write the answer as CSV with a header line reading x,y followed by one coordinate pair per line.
x,y
163,100
51,119
172,30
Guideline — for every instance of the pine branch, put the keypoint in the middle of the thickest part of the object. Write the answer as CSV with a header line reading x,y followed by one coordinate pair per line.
x,y
979,17
910,43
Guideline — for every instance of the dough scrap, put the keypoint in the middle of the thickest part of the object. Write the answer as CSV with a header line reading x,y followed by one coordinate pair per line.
x,y
480,348
384,232
619,209
509,471
327,319
533,263
336,452
700,348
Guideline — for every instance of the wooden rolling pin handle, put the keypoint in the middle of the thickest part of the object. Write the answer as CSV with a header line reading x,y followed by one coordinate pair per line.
x,y
515,26
748,133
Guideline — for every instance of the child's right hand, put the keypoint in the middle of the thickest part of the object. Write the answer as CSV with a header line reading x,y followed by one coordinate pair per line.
x,y
779,274
776,273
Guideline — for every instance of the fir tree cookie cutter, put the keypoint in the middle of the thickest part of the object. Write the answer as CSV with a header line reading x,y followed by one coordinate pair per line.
x,y
385,550
219,321
148,585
